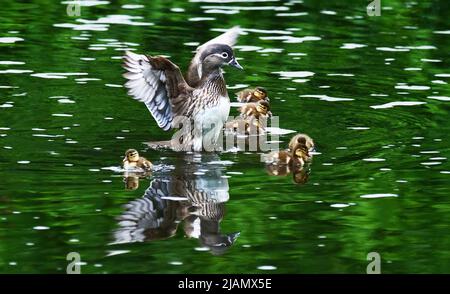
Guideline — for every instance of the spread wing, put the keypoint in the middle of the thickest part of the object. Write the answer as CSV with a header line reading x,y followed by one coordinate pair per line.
x,y
229,38
156,82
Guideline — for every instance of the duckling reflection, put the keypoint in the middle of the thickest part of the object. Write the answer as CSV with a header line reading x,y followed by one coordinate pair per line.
x,y
194,195
131,179
300,173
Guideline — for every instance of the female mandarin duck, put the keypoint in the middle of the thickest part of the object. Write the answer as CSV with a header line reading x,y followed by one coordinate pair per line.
x,y
173,101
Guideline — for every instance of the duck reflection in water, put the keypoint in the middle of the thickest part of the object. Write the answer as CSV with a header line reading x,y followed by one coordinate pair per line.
x,y
194,195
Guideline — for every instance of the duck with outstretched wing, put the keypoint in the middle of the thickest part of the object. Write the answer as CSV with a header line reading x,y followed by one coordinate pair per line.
x,y
199,104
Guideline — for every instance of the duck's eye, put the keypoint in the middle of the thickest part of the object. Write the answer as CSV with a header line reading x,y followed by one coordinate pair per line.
x,y
225,55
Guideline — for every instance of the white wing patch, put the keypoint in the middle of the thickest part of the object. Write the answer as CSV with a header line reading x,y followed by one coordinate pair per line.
x,y
229,38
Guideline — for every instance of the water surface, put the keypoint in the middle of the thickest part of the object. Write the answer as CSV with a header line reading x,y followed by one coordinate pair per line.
x,y
372,91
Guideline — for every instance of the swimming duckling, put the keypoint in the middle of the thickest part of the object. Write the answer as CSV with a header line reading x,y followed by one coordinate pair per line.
x,y
303,140
298,153
252,95
257,110
133,160
301,145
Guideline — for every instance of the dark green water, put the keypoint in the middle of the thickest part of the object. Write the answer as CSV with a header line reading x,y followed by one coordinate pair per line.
x,y
380,182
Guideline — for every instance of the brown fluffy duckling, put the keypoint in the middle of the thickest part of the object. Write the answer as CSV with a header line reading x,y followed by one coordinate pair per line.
x,y
301,139
257,110
252,95
243,126
297,154
302,145
133,160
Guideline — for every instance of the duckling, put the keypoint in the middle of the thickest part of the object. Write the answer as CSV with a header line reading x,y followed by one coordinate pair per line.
x,y
302,140
257,110
133,160
252,95
243,126
298,153
301,145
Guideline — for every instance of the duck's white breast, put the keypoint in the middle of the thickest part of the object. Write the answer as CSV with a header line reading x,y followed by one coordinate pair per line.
x,y
216,115
211,120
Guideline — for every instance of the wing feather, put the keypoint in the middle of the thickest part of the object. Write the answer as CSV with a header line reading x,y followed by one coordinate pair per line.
x,y
229,38
155,81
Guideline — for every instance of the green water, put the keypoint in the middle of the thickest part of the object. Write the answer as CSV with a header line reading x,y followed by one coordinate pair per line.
x,y
379,183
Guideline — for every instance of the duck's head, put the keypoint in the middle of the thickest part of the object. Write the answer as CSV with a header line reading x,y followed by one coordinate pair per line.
x,y
263,107
301,146
216,56
260,93
132,155
303,141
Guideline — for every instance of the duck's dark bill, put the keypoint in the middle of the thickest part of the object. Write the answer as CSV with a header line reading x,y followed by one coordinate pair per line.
x,y
235,64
